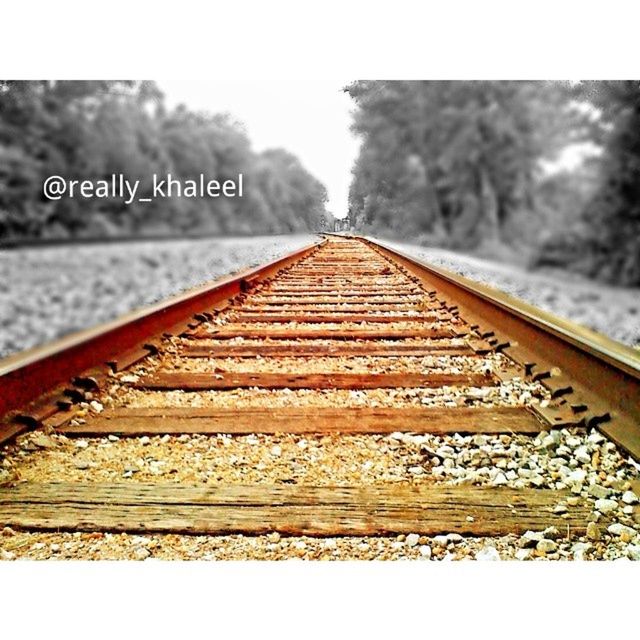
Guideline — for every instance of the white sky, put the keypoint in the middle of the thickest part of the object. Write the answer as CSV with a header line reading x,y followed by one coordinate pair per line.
x,y
309,118
571,157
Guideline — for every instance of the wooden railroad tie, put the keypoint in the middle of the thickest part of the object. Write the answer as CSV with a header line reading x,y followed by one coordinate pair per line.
x,y
204,381
194,349
258,299
289,509
342,308
132,421
348,289
333,293
290,333
339,317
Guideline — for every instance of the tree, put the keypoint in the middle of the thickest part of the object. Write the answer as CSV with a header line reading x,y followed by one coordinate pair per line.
x,y
91,130
604,242
454,159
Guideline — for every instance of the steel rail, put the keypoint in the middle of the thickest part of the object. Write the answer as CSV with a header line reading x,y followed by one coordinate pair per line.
x,y
603,375
26,376
591,373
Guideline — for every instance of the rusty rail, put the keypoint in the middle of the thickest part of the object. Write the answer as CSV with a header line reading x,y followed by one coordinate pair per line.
x,y
590,375
595,375
286,351
26,376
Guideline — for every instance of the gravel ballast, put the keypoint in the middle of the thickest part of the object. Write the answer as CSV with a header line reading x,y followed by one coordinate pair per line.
x,y
50,292
586,464
613,311
583,466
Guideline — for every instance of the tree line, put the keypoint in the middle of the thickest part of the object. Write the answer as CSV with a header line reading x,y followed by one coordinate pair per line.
x,y
94,129
466,165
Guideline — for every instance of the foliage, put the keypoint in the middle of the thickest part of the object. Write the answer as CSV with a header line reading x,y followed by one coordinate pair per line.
x,y
91,130
605,240
460,162
463,164
454,159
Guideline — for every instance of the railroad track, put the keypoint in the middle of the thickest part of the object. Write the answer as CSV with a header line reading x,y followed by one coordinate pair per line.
x,y
342,391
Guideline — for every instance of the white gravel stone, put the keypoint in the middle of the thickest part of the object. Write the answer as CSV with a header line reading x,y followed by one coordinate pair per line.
x,y
441,541
425,551
628,497
500,479
581,454
580,549
96,406
596,438
605,506
412,539
488,553
531,538
598,491
141,553
577,475
618,529
546,546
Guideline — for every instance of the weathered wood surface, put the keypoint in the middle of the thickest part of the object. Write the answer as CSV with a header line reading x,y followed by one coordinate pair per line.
x,y
237,420
350,290
292,333
340,269
257,299
202,381
339,317
340,308
346,281
289,509
338,294
304,349
295,278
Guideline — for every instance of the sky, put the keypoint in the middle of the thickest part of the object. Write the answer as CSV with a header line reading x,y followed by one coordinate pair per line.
x,y
310,119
